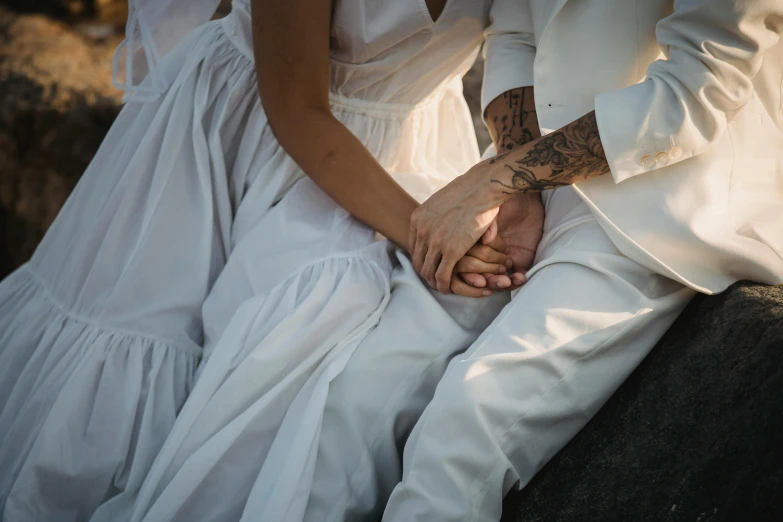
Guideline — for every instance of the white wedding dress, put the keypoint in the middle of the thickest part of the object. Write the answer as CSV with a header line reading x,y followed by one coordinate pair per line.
x,y
193,233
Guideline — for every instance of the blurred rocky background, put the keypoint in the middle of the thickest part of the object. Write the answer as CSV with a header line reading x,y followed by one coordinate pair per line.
x,y
56,104
693,435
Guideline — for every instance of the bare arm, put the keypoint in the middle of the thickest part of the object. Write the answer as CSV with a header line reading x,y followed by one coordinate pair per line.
x,y
291,46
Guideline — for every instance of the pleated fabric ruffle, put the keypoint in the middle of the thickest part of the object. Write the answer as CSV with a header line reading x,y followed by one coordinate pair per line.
x,y
83,410
254,416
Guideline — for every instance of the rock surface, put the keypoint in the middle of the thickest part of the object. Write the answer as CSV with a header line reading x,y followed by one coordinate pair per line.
x,y
695,434
56,104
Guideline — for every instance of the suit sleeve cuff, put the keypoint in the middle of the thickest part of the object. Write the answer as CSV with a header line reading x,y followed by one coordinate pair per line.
x,y
630,122
508,65
620,123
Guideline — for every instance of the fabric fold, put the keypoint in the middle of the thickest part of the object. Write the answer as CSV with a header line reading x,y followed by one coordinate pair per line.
x,y
262,393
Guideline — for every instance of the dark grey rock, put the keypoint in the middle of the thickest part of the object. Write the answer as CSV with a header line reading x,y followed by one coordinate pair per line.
x,y
695,434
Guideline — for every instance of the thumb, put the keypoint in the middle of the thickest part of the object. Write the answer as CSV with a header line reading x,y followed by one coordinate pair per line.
x,y
491,234
492,238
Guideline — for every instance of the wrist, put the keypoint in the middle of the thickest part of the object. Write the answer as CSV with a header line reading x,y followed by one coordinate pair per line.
x,y
485,190
499,184
495,180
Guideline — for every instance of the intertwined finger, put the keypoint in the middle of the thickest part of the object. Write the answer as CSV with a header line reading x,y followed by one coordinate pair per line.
x,y
470,264
460,287
518,279
506,282
474,280
419,253
430,265
487,254
498,282
445,271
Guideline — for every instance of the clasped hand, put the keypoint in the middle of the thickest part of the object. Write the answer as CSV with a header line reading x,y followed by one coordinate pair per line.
x,y
467,241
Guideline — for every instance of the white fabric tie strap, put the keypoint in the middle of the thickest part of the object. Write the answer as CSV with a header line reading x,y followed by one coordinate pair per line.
x,y
153,29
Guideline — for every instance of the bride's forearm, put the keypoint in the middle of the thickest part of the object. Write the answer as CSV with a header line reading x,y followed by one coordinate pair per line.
x,y
343,168
291,49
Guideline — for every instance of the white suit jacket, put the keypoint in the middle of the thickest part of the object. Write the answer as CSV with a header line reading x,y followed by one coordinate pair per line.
x,y
687,97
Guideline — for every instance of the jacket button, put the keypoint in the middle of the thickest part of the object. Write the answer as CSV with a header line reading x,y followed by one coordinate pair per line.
x,y
675,153
647,161
661,158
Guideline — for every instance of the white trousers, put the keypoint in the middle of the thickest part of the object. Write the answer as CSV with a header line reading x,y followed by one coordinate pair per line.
x,y
476,420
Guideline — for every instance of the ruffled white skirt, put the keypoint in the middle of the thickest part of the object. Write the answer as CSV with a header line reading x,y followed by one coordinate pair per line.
x,y
292,323
193,231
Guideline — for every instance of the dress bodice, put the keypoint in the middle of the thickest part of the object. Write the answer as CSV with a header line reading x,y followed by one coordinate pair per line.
x,y
392,51
395,82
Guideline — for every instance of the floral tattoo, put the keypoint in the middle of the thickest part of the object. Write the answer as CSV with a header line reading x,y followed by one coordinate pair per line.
x,y
569,155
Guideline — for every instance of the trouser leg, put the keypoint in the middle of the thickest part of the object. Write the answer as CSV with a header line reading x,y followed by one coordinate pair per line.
x,y
531,381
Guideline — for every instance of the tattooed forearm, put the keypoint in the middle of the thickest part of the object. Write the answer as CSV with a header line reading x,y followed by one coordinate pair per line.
x,y
568,155
524,180
511,119
499,157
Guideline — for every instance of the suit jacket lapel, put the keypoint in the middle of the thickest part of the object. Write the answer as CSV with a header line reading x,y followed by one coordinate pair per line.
x,y
557,6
